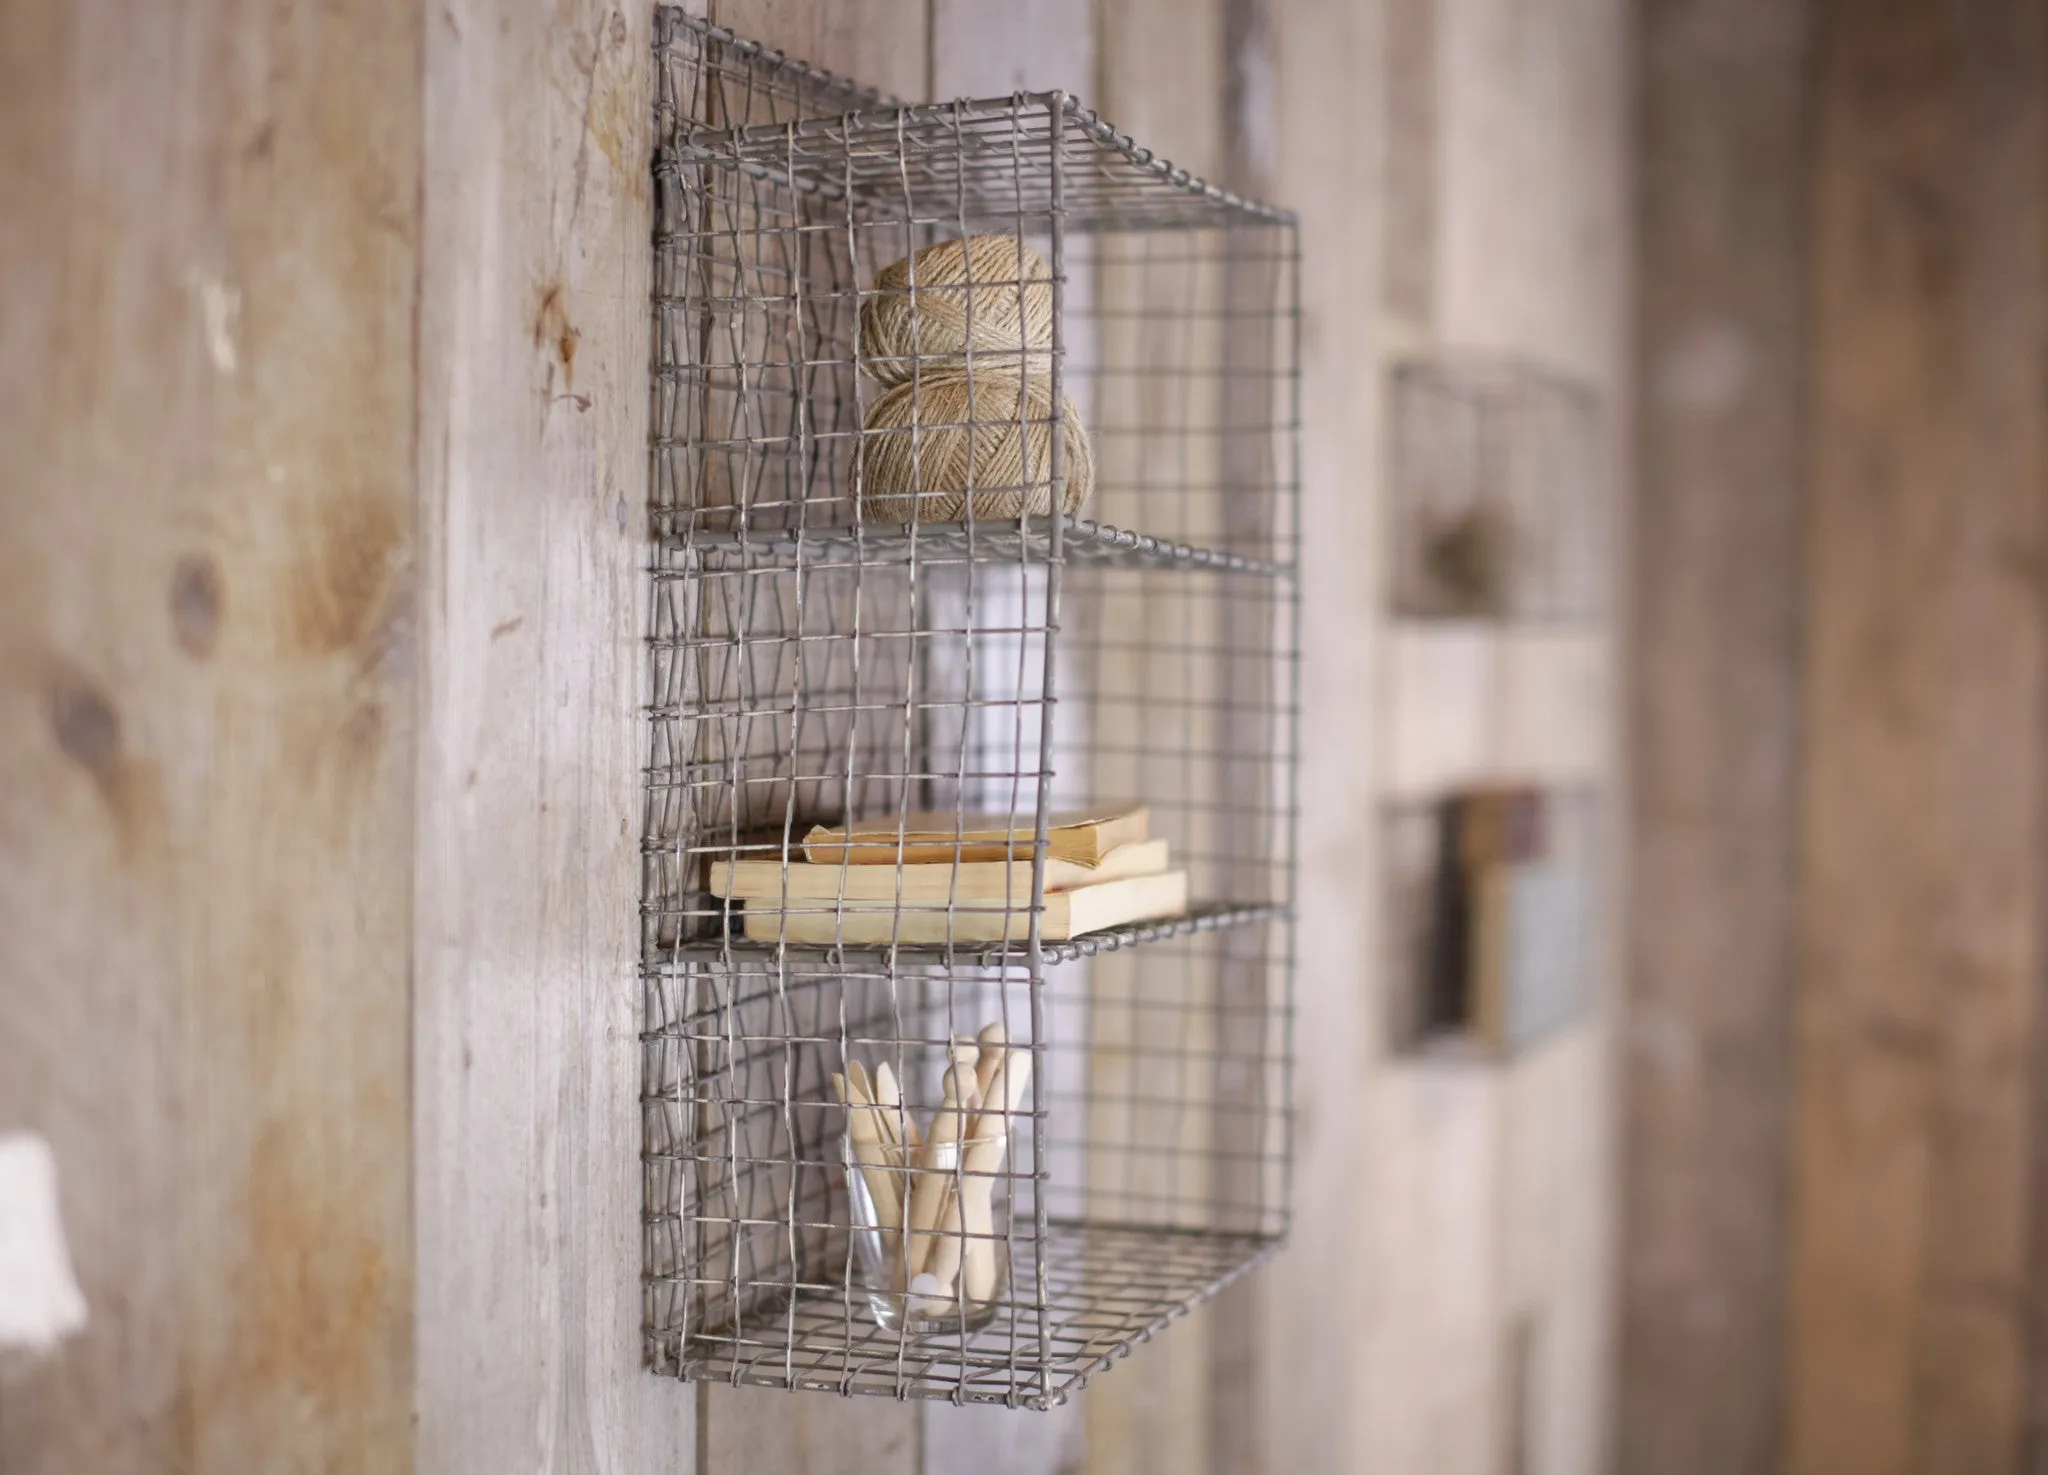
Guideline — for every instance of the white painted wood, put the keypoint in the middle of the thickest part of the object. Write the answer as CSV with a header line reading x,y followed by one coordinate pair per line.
x,y
1472,704
1312,1312
1525,118
40,1302
1429,1388
532,455
1557,1242
1160,79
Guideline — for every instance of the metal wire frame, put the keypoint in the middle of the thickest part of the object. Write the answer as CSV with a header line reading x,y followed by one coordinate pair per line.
x,y
1497,490
811,664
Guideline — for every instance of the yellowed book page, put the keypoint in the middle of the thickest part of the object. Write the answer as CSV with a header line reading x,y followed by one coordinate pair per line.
x,y
1490,940
926,886
1068,914
1081,836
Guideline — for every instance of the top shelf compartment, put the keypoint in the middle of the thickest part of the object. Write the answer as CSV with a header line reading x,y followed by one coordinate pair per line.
x,y
782,195
988,163
991,162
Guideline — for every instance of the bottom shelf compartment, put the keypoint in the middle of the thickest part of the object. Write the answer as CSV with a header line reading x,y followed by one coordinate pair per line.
x,y
1107,1288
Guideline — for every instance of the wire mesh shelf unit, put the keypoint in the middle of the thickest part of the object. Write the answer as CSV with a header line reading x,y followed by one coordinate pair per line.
x,y
1498,491
816,663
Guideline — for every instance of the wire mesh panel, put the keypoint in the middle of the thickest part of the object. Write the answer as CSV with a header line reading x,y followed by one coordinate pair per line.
x,y
969,813
1498,497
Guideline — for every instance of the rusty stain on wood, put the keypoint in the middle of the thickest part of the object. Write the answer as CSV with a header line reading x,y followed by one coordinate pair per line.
x,y
553,330
342,585
317,1290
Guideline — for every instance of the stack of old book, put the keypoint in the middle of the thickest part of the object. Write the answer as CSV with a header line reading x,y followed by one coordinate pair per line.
x,y
938,878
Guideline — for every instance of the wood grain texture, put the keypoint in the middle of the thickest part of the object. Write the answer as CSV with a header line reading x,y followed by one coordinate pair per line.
x,y
1408,180
1715,672
1160,77
1537,245
1488,1190
1920,940
206,719
1311,1303
766,1429
534,471
1430,1384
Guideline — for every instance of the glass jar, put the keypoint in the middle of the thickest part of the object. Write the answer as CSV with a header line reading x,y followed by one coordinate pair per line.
x,y
946,1271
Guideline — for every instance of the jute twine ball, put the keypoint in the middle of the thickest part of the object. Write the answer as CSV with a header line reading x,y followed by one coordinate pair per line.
x,y
956,445
982,300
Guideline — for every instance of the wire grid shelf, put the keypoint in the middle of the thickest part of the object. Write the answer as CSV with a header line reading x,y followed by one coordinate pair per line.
x,y
815,663
1498,493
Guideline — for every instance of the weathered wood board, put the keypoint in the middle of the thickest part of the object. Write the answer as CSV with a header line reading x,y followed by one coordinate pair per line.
x,y
533,474
1311,84
207,717
1715,673
1920,934
1507,237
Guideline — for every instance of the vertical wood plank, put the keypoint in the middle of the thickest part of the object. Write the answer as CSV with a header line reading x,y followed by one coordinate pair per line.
x,y
533,464
1409,174
883,43
1715,670
1160,77
206,721
1325,157
766,1429
1429,1384
1922,873
1570,306
1512,167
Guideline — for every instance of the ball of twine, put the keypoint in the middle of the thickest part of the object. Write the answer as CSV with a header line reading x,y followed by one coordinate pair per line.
x,y
985,298
970,451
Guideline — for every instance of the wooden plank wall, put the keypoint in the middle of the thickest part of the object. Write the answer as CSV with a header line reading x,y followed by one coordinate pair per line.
x,y
207,716
533,473
1489,1198
1922,883
325,352
1160,77
1715,694
1312,119
1842,623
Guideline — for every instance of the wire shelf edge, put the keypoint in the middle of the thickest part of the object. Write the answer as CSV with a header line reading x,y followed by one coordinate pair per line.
x,y
1200,918
955,1370
1083,542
